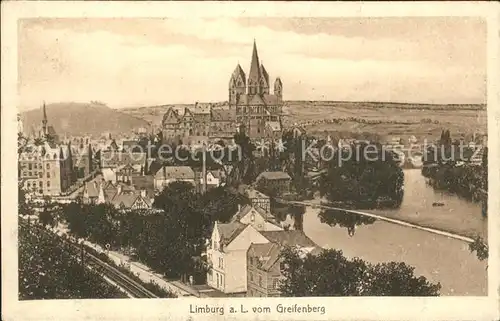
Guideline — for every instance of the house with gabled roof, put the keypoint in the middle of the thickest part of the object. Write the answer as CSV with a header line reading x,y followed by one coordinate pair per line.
x,y
168,174
277,181
226,255
257,217
264,262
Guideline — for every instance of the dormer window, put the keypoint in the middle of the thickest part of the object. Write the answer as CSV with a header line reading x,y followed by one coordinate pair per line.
x,y
252,217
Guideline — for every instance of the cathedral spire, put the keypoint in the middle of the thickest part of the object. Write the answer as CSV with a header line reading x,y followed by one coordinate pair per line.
x,y
254,75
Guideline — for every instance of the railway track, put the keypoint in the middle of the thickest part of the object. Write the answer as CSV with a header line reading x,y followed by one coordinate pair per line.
x,y
132,287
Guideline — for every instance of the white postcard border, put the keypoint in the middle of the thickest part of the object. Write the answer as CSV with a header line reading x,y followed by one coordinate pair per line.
x,y
463,308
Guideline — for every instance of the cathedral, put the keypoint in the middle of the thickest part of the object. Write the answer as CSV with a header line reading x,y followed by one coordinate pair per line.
x,y
255,107
251,108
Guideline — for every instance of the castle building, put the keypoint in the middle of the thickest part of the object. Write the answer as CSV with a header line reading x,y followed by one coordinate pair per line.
x,y
251,108
251,99
46,169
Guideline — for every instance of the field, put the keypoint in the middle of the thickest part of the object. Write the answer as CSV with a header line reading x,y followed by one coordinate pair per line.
x,y
387,119
384,119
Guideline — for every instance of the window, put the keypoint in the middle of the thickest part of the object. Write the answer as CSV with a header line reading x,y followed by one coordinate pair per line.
x,y
276,283
29,166
251,276
48,175
48,183
40,183
30,173
40,175
28,184
252,217
260,280
47,166
251,260
222,263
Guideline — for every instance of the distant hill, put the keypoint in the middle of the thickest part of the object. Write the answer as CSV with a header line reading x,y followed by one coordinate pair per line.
x,y
83,118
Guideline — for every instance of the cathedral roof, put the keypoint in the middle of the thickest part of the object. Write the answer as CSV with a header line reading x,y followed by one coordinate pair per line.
x,y
238,71
254,75
264,73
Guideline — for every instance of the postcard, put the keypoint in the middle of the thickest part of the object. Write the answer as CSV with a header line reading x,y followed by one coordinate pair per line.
x,y
250,161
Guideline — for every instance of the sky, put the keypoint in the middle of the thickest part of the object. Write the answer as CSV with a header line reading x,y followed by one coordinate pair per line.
x,y
142,62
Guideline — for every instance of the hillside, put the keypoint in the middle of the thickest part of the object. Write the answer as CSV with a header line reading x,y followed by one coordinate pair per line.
x,y
83,118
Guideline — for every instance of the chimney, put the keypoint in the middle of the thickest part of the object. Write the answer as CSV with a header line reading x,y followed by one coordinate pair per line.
x,y
119,187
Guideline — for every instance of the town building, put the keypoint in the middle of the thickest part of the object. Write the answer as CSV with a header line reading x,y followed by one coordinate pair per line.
x,y
226,255
46,169
114,158
214,178
257,217
278,182
264,263
121,195
168,174
257,199
251,107
83,161
227,251
178,126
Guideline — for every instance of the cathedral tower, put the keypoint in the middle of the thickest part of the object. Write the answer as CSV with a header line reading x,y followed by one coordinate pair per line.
x,y
278,89
237,84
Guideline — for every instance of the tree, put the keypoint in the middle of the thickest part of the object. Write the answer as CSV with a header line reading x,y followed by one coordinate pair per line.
x,y
480,247
48,214
330,273
363,177
48,269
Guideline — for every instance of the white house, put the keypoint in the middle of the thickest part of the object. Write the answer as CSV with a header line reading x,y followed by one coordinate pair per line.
x,y
226,255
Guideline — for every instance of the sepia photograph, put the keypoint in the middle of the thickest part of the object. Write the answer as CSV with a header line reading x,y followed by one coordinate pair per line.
x,y
224,159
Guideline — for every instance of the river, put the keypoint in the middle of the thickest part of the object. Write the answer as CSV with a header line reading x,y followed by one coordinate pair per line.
x,y
457,215
438,258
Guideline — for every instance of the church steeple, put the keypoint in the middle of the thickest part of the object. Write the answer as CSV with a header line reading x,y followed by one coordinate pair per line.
x,y
44,120
254,75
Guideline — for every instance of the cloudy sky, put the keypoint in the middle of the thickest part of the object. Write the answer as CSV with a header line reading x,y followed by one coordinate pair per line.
x,y
139,62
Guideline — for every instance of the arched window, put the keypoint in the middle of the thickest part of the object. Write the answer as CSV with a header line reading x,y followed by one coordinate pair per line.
x,y
48,166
